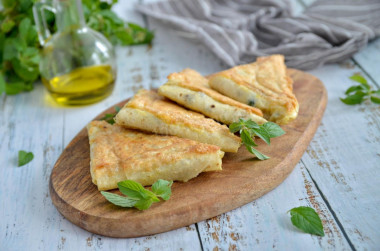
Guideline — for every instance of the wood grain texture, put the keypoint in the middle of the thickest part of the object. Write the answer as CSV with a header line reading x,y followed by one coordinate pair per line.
x,y
344,157
242,180
265,223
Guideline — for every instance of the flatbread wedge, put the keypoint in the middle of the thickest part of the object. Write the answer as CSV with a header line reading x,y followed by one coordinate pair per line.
x,y
151,112
263,84
119,154
191,89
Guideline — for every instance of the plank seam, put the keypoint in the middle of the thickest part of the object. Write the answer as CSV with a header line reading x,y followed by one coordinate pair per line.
x,y
199,236
365,72
330,209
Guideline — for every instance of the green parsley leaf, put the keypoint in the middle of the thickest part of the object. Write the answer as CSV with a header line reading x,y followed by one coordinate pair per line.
x,y
162,188
307,220
24,157
249,129
119,200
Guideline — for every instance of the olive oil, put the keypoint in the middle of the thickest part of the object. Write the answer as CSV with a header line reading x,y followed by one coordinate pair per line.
x,y
84,85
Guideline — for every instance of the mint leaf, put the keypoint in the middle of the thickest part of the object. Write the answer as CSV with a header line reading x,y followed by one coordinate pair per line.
x,y
162,188
360,79
143,204
247,138
273,129
376,92
110,15
353,99
24,157
354,89
132,189
249,129
137,195
25,30
235,127
2,83
7,25
307,220
109,117
250,124
135,190
361,92
119,200
375,99
258,154
263,134
15,88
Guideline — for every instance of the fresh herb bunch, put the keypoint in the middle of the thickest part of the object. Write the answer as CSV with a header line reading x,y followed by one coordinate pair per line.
x,y
249,129
307,220
20,48
100,17
137,195
358,93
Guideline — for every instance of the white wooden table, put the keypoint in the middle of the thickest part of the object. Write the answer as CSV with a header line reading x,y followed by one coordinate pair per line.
x,y
338,175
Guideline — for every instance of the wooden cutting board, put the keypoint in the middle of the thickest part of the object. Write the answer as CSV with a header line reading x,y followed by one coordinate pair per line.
x,y
242,179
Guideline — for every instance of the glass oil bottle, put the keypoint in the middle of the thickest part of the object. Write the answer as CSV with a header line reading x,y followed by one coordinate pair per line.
x,y
77,63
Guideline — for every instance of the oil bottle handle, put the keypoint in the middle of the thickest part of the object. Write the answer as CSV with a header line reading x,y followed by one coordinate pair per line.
x,y
40,20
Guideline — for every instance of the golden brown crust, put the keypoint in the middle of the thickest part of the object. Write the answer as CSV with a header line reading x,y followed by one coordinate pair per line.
x,y
118,154
171,113
192,80
268,79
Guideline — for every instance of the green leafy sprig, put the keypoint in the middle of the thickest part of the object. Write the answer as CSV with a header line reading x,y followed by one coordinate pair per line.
x,y
249,129
307,220
109,117
24,157
100,17
358,93
138,196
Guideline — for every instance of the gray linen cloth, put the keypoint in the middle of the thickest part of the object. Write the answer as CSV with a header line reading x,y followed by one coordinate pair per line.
x,y
238,31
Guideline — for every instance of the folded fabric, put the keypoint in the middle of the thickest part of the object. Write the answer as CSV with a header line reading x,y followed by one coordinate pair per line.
x,y
238,31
